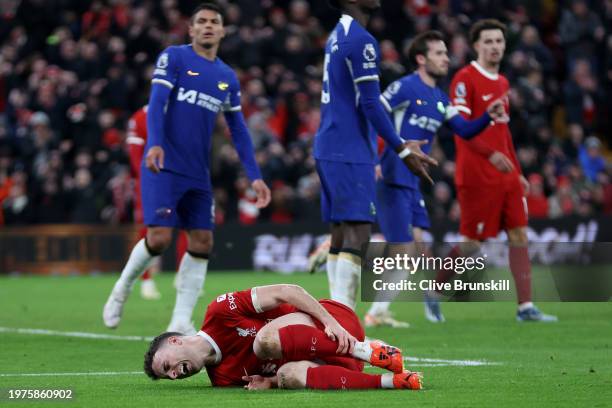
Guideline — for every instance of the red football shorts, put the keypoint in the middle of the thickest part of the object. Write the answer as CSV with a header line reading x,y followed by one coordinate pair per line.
x,y
349,320
487,210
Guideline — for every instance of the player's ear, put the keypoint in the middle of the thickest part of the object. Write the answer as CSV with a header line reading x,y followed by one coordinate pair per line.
x,y
175,340
420,59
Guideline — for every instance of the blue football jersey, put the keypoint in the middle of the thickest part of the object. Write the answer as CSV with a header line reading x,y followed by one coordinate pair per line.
x,y
418,110
351,56
200,89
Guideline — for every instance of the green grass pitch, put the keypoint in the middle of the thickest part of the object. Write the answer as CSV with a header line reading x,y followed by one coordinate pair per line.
x,y
546,365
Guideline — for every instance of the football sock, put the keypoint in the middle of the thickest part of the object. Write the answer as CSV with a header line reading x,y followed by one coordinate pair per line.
x,y
329,377
139,259
332,261
520,266
190,279
379,307
348,271
302,342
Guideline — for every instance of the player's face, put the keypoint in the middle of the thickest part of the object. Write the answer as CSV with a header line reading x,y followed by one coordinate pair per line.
x,y
176,360
436,60
206,29
490,46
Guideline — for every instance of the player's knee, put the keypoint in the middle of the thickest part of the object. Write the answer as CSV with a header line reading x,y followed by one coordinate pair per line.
x,y
292,375
158,239
356,235
201,241
267,344
518,236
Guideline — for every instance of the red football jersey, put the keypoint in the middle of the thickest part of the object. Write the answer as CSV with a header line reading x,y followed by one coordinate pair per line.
x,y
472,90
230,325
137,138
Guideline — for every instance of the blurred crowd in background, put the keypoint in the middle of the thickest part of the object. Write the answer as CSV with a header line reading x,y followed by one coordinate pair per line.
x,y
73,71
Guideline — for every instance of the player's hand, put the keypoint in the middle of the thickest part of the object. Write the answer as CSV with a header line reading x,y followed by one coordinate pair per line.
x,y
257,382
155,159
263,193
497,110
335,332
417,161
501,162
525,185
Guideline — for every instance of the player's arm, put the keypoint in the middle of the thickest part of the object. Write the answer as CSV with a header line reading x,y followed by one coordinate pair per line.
x,y
462,92
269,297
363,60
243,144
135,144
164,79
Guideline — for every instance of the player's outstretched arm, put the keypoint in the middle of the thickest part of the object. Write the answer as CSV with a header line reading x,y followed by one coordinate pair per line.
x,y
244,147
269,297
154,159
410,152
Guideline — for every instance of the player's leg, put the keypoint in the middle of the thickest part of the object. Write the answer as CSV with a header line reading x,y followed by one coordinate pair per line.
x,y
160,195
156,241
515,220
395,219
195,212
356,234
148,288
296,337
306,374
336,236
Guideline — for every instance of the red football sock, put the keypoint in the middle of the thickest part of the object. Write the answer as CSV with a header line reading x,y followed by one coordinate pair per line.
x,y
520,266
330,377
444,275
300,342
146,275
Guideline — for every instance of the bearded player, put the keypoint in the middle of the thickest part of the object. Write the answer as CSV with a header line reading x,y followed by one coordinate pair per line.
x,y
190,86
418,107
490,186
278,336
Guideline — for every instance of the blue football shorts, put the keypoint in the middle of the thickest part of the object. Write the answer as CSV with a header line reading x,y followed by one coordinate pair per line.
x,y
399,210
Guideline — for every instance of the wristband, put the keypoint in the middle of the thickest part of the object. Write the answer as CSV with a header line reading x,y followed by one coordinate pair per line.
x,y
404,153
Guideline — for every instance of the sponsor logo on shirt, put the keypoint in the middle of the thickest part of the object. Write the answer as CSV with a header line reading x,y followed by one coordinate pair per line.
x,y
424,122
222,85
252,332
232,301
198,98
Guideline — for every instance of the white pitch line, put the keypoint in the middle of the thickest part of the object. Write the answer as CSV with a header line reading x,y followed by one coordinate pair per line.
x,y
72,374
84,335
438,362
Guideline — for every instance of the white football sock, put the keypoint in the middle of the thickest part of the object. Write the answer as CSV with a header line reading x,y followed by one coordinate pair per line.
x,y
348,272
386,380
362,350
139,259
190,279
379,307
332,262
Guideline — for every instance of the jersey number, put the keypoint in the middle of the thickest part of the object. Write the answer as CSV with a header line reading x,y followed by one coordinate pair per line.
x,y
325,96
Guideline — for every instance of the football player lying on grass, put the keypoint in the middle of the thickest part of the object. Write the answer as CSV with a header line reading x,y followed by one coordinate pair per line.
x,y
279,336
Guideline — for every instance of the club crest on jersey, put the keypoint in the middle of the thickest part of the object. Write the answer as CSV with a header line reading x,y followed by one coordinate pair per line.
x,y
162,61
460,91
247,332
222,85
369,52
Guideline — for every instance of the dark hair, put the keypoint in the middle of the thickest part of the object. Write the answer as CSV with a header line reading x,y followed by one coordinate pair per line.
x,y
418,45
153,347
205,6
335,4
486,24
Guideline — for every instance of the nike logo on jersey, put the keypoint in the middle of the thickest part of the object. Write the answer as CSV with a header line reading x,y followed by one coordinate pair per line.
x,y
487,97
190,72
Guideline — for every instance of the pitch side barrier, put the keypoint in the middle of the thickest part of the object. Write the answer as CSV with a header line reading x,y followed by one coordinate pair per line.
x,y
70,249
